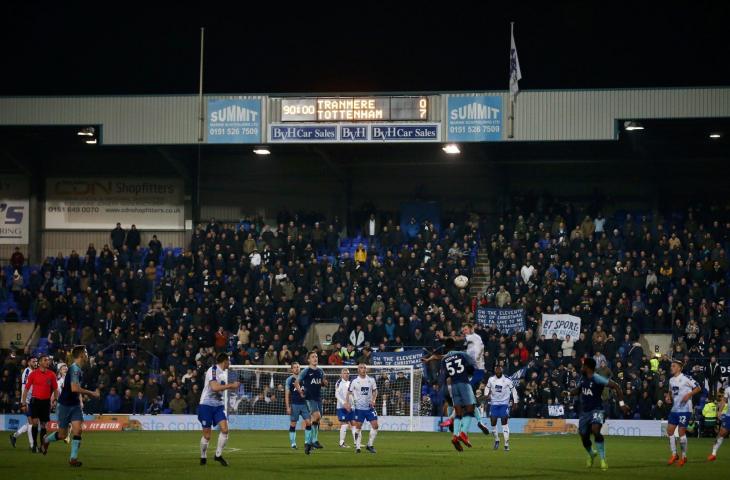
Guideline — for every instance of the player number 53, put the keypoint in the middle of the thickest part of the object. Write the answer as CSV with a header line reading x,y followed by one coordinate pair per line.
x,y
450,366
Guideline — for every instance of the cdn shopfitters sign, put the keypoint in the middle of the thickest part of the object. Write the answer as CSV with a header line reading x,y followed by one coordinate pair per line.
x,y
99,203
14,210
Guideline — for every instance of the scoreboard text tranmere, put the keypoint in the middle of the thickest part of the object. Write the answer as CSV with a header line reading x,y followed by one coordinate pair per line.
x,y
354,109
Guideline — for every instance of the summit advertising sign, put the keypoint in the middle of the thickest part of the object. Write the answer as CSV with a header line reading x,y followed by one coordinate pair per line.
x,y
475,119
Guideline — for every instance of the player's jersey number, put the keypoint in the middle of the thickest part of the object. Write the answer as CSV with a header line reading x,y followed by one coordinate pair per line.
x,y
450,366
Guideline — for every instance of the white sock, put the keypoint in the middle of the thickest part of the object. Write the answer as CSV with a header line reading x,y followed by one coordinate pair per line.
x,y
21,430
358,437
495,432
354,439
673,444
683,444
716,447
222,439
29,430
505,432
371,437
203,447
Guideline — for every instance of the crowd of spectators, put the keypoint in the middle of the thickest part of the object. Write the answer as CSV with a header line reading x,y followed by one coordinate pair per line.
x,y
154,318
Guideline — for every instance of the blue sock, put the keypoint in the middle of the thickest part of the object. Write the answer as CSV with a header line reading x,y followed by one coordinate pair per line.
x,y
457,425
466,423
308,435
52,437
315,432
601,447
293,435
75,445
478,414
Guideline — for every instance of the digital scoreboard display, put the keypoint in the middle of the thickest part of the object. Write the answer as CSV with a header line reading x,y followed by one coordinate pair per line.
x,y
354,109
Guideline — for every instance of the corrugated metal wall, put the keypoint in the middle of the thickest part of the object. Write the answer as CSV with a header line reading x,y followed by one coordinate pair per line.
x,y
65,241
125,120
557,115
539,115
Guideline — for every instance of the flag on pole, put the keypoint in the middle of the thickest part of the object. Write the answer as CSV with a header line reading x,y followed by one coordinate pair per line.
x,y
515,75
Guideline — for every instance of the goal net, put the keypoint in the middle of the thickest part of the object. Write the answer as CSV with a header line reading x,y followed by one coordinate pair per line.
x,y
263,388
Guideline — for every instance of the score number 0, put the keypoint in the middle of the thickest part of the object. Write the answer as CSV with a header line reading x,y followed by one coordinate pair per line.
x,y
423,107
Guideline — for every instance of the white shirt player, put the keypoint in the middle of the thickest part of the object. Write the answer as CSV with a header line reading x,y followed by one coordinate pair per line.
x,y
475,349
26,374
680,386
726,408
362,390
209,397
500,390
341,389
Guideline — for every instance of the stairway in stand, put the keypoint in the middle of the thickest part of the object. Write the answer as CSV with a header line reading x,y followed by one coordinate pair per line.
x,y
481,275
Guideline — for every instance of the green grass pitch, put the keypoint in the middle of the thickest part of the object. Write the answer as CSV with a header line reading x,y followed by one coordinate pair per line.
x,y
401,456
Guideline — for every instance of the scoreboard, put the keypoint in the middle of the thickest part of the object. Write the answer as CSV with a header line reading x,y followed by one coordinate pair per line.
x,y
354,109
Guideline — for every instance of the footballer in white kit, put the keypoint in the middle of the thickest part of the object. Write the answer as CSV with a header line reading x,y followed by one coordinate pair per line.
x,y
681,390
501,391
724,424
344,415
26,427
363,392
211,410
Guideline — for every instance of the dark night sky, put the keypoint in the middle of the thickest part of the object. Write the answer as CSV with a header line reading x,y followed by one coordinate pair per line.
x,y
58,49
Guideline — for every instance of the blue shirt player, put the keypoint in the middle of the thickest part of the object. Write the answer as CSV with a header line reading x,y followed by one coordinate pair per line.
x,y
458,367
309,384
69,406
592,415
211,410
296,407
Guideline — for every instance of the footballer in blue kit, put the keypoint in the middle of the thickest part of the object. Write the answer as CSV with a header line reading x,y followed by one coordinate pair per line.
x,y
309,384
457,367
296,407
592,415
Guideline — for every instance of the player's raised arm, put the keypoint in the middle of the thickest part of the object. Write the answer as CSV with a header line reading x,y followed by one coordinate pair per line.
x,y
515,396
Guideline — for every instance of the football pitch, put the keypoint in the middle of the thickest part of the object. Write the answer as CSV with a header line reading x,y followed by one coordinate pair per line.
x,y
401,456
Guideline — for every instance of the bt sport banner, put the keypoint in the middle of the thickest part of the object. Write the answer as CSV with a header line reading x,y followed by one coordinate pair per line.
x,y
507,321
99,203
561,325
14,210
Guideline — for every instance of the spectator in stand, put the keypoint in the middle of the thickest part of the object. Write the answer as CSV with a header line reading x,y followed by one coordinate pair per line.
x,y
17,260
133,238
112,402
117,237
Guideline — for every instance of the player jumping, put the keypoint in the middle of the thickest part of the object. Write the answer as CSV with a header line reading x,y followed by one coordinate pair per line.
x,y
499,390
363,392
458,366
344,415
592,417
725,426
211,410
309,384
69,406
296,406
682,389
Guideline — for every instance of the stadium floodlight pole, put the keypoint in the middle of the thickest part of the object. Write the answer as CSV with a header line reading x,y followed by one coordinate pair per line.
x,y
200,85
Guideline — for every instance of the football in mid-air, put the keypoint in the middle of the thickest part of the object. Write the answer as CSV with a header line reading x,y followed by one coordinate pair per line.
x,y
461,281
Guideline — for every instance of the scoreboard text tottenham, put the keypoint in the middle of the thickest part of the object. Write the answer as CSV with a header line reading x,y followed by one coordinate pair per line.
x,y
354,109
